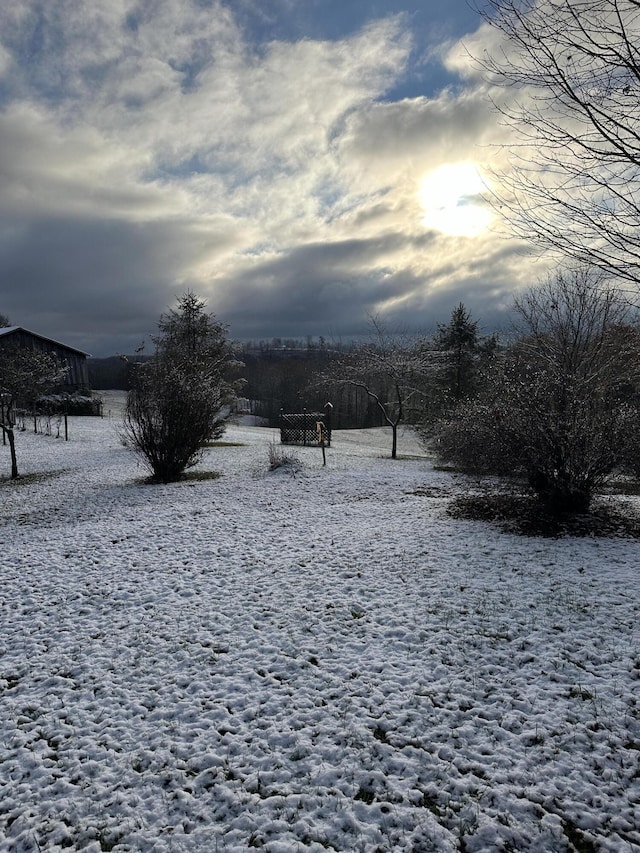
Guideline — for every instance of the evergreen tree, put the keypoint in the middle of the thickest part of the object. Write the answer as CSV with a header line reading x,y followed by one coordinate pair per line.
x,y
181,399
460,341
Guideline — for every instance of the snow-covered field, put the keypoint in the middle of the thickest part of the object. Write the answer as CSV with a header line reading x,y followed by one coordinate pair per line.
x,y
304,662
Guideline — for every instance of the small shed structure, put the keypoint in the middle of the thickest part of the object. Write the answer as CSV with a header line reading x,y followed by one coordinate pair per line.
x,y
75,360
306,428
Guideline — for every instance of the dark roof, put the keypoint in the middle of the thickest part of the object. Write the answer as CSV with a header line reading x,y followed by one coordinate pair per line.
x,y
7,330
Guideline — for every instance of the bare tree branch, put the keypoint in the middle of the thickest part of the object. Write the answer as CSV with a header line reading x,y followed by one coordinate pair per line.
x,y
573,184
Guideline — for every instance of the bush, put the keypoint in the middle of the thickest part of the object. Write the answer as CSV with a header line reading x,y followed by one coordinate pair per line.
x,y
560,407
70,404
279,457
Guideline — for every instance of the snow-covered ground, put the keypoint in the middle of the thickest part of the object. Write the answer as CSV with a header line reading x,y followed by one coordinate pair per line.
x,y
310,661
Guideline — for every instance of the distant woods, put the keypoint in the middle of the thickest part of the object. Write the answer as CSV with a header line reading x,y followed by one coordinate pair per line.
x,y
112,373
279,374
387,378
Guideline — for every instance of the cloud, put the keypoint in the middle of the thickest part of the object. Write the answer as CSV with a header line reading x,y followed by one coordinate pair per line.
x,y
332,288
45,168
421,133
155,146
463,57
315,283
114,278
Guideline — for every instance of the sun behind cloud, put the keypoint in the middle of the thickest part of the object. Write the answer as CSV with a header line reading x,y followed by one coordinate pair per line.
x,y
450,197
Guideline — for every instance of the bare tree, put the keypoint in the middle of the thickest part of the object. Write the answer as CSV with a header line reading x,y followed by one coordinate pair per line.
x,y
561,406
574,181
24,376
390,369
181,398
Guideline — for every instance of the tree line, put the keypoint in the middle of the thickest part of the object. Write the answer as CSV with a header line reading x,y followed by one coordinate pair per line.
x,y
557,405
278,374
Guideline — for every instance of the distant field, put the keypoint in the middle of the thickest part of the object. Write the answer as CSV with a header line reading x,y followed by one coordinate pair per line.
x,y
113,403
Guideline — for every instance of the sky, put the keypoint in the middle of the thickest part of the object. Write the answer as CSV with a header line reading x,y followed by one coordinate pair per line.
x,y
302,165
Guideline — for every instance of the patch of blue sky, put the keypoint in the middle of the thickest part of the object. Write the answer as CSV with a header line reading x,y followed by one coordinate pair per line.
x,y
424,78
226,166
41,68
258,250
194,165
330,200
189,73
430,25
131,22
7,94
35,41
270,20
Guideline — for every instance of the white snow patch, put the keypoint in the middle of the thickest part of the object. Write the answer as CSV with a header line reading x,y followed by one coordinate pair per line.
x,y
324,661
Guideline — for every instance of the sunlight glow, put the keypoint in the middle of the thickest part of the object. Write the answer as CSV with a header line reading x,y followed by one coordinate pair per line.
x,y
450,199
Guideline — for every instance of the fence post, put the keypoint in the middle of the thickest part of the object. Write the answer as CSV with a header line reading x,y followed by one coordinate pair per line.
x,y
304,427
321,428
328,409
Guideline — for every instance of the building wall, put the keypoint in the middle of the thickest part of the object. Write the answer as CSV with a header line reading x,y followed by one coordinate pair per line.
x,y
77,378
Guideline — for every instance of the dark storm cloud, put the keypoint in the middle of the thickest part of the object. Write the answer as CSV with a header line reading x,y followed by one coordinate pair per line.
x,y
97,285
331,290
315,289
